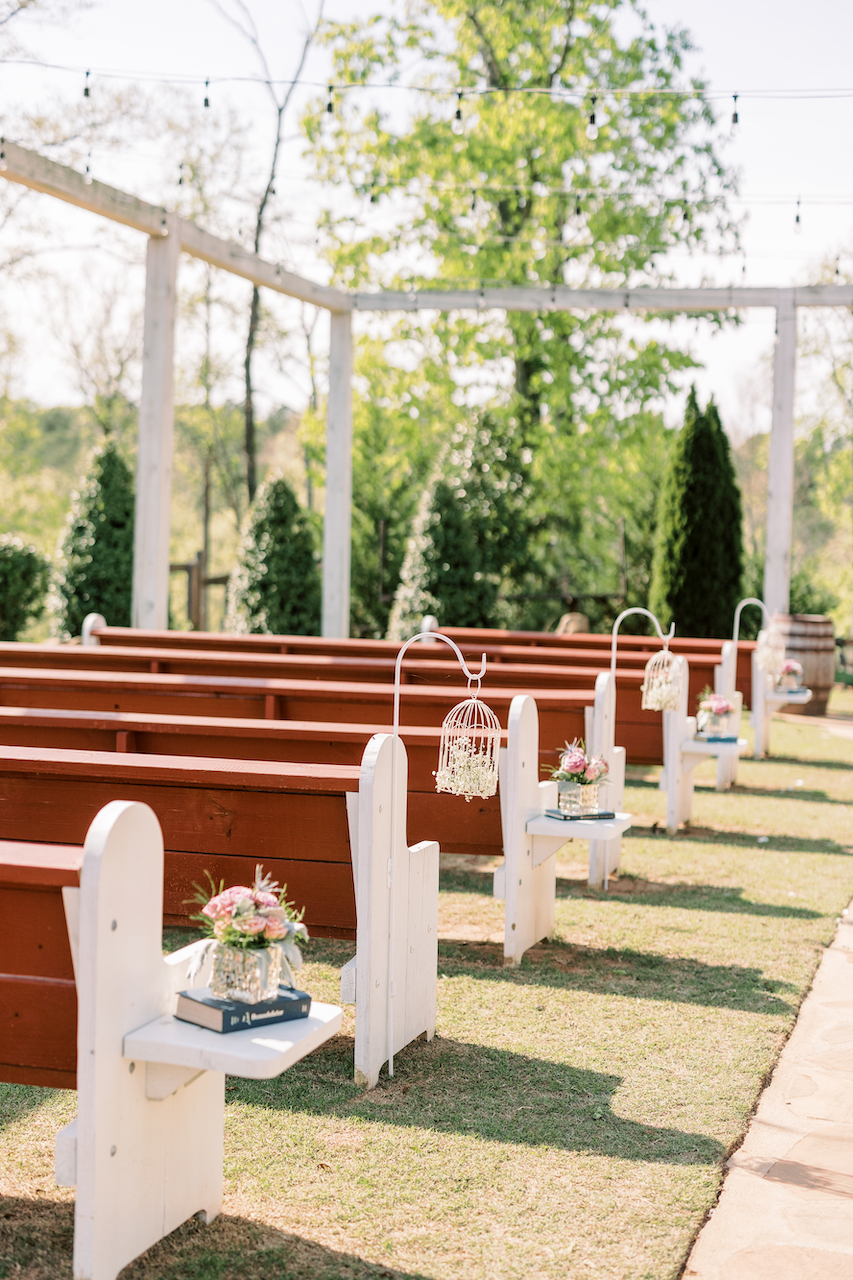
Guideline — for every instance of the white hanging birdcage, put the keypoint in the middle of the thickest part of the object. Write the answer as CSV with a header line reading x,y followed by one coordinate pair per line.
x,y
770,651
662,682
468,756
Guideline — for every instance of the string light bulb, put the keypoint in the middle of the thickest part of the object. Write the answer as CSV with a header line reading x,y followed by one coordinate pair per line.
x,y
206,96
181,174
735,128
2,155
592,127
86,86
330,103
87,177
457,126
797,223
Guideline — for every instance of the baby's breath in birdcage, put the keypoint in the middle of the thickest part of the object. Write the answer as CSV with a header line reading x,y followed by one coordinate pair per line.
x,y
770,651
662,682
468,756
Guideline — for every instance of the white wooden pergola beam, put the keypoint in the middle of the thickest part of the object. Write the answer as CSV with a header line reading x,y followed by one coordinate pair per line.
x,y
564,298
63,183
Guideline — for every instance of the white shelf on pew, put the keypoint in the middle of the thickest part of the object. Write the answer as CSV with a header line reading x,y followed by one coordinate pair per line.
x,y
704,747
579,828
780,696
259,1054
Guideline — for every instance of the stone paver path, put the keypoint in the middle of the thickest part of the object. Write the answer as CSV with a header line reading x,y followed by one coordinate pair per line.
x,y
786,1208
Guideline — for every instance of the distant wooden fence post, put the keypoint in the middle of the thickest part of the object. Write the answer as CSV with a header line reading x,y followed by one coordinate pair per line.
x,y
338,517
150,607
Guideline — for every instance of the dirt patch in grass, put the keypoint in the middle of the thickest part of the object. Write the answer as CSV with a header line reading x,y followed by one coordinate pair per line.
x,y
572,1116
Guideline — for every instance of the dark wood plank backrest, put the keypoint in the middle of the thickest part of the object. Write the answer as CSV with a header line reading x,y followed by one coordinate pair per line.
x,y
38,999
459,827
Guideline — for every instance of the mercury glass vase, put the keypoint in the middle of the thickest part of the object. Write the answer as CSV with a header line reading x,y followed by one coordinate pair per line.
x,y
246,974
790,682
576,800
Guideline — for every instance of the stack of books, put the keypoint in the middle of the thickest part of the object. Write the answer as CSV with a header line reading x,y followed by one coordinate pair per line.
x,y
198,1005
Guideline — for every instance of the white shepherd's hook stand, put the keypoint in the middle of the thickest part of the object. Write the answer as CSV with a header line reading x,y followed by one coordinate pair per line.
x,y
429,637
765,616
624,614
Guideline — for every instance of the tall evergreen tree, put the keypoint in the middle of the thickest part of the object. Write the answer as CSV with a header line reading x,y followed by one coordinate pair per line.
x,y
698,560
95,569
275,589
23,583
474,533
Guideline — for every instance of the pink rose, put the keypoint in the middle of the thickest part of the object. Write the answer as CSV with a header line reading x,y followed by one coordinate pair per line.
x,y
573,760
250,924
274,928
596,769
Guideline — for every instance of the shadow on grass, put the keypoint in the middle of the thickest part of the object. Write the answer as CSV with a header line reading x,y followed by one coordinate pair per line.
x,y
36,1240
743,840
806,763
18,1100
637,975
452,1087
651,893
777,793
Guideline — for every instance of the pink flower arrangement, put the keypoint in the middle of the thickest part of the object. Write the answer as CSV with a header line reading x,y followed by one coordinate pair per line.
x,y
791,668
716,704
576,766
248,917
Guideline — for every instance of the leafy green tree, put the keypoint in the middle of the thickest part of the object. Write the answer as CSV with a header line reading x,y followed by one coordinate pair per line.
x,y
275,589
698,560
522,190
23,583
94,573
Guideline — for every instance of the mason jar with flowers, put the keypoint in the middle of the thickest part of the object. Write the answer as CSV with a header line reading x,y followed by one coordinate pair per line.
x,y
578,777
253,934
790,675
713,720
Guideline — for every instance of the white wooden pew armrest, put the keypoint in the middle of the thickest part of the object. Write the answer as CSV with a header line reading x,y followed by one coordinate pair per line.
x,y
797,696
699,747
259,1054
550,834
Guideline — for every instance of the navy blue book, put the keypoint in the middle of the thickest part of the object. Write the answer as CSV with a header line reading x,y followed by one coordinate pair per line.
x,y
205,1010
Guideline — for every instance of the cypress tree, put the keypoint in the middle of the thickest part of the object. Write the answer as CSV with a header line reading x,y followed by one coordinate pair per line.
x,y
275,589
95,569
23,583
698,559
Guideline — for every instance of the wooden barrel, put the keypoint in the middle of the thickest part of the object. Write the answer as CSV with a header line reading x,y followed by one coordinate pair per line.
x,y
810,640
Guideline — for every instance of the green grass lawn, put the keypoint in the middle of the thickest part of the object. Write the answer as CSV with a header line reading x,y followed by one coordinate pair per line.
x,y
571,1117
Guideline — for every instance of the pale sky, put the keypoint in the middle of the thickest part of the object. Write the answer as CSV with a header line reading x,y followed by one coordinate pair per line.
x,y
794,142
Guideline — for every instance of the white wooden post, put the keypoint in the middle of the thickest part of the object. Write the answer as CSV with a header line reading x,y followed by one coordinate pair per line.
x,y
337,521
725,679
605,856
150,607
145,1152
529,875
142,1167
414,966
780,475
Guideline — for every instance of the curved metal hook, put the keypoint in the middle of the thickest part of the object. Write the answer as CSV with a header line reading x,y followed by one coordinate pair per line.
x,y
626,613
765,616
